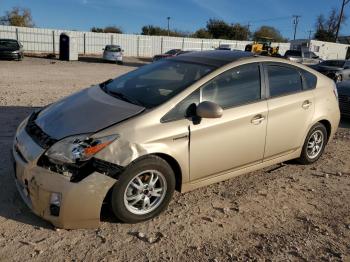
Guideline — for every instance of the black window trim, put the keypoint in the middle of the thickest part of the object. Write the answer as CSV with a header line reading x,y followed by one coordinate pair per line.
x,y
299,70
263,91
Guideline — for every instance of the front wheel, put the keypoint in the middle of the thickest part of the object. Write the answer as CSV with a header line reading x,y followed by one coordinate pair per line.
x,y
144,190
314,144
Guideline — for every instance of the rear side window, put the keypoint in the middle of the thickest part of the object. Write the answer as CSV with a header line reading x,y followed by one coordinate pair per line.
x,y
237,86
310,80
283,80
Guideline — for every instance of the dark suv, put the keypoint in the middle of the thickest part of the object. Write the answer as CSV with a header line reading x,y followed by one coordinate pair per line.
x,y
11,49
338,70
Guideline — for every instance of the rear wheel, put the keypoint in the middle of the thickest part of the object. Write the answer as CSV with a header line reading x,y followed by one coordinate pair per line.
x,y
314,144
144,190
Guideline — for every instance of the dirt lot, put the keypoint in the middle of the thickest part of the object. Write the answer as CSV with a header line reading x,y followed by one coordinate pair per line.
x,y
288,212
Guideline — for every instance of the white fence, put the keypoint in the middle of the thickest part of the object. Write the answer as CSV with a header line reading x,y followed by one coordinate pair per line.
x,y
40,40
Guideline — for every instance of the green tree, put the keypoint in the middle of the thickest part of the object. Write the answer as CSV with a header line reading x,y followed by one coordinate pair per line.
x,y
326,28
107,29
156,30
202,33
270,32
18,17
219,29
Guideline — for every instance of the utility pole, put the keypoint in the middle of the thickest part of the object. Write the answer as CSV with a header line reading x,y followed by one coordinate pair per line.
x,y
295,22
248,29
310,32
345,2
168,18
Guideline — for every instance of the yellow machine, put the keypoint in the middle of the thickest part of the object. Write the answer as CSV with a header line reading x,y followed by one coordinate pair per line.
x,y
262,46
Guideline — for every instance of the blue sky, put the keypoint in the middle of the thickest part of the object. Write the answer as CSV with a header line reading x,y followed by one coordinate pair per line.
x,y
186,15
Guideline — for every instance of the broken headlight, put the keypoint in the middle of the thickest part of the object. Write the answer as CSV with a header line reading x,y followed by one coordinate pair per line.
x,y
78,148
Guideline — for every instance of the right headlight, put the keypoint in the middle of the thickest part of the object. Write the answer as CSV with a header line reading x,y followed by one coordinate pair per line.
x,y
78,148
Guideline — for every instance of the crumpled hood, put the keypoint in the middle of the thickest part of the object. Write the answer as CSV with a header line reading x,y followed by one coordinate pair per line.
x,y
87,111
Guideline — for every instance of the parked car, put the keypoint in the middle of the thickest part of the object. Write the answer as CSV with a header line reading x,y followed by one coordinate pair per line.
x,y
181,123
11,49
170,53
113,53
338,70
344,97
302,57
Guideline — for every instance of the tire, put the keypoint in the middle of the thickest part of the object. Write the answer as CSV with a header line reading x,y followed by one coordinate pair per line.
x,y
20,58
125,192
307,156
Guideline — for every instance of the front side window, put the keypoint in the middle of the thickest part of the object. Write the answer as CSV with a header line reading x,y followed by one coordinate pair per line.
x,y
283,80
180,111
237,86
156,83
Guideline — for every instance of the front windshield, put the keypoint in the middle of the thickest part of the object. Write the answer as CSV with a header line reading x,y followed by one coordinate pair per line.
x,y
113,48
335,63
154,84
8,44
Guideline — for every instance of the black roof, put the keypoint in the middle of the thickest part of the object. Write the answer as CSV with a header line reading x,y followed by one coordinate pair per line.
x,y
215,58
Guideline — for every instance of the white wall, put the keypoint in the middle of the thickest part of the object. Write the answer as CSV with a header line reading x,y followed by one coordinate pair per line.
x,y
40,40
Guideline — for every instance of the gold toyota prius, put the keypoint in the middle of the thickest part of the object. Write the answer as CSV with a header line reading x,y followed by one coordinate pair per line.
x,y
176,124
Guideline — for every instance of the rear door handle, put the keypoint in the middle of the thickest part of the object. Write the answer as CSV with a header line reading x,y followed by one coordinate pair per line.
x,y
306,104
256,120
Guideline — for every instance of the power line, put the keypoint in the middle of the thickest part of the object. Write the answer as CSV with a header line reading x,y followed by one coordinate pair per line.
x,y
270,19
296,22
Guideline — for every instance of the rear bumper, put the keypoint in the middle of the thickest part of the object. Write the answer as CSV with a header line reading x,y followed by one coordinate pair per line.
x,y
10,55
80,204
113,59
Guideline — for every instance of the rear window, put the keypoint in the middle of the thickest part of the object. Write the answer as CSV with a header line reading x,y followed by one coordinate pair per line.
x,y
310,80
113,48
293,53
283,80
8,43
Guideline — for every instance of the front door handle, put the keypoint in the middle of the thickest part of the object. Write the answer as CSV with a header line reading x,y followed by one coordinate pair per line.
x,y
306,104
256,120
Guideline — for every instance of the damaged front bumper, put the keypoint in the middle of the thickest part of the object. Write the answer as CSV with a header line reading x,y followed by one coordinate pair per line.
x,y
53,196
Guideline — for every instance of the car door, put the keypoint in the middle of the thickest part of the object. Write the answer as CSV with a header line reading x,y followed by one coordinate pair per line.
x,y
237,139
290,107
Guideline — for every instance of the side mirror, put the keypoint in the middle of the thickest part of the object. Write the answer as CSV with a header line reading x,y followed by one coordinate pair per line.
x,y
315,57
207,109
103,49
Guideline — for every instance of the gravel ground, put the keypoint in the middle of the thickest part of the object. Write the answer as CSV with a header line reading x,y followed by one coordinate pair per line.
x,y
285,212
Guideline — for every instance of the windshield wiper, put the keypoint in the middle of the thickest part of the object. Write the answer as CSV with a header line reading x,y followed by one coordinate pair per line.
x,y
119,95
125,98
104,84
